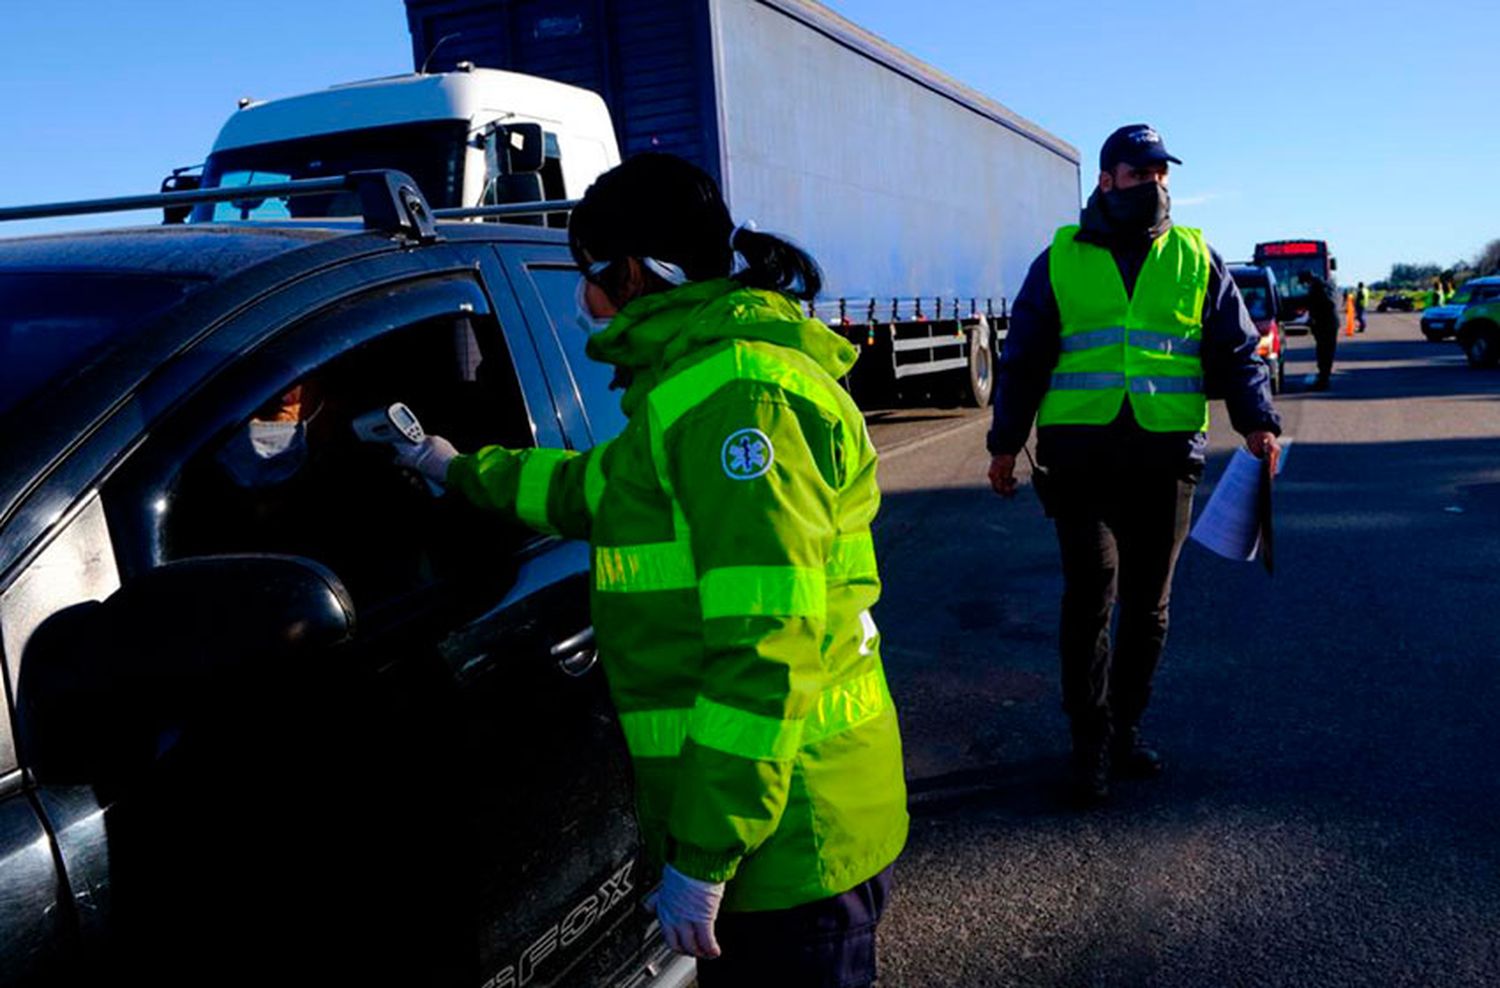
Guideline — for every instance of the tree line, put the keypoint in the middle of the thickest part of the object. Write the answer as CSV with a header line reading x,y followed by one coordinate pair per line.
x,y
1420,276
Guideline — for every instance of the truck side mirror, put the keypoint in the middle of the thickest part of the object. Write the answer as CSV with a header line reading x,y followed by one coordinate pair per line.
x,y
179,182
1333,264
523,146
519,188
102,684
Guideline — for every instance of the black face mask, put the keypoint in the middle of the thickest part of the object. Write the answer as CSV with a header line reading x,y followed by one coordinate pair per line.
x,y
1143,209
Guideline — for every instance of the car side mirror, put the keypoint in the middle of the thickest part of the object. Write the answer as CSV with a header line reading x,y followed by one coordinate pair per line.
x,y
102,683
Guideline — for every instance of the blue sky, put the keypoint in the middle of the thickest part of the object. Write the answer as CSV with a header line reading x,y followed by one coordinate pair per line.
x,y
1368,124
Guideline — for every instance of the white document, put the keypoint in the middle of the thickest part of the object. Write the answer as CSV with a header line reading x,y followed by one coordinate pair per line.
x,y
1230,522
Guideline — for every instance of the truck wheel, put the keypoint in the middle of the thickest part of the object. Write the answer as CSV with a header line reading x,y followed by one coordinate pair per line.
x,y
981,373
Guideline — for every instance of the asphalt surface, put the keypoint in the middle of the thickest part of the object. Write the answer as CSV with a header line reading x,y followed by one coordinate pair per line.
x,y
1330,815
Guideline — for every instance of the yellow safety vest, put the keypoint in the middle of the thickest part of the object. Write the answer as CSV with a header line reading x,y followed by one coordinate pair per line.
x,y
1116,346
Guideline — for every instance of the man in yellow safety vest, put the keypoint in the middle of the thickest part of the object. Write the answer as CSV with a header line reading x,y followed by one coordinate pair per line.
x,y
1112,337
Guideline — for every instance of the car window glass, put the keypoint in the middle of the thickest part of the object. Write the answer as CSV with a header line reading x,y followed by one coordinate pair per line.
x,y
1257,296
558,287
294,478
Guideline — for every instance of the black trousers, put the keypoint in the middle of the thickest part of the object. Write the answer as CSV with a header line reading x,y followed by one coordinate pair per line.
x,y
1327,340
825,944
1120,531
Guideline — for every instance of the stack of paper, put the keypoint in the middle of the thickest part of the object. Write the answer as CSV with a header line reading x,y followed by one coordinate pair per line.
x,y
1236,522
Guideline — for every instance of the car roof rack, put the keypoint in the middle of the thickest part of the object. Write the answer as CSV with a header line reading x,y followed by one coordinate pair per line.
x,y
389,201
506,210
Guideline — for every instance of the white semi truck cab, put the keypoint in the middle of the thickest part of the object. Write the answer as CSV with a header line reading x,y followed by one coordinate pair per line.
x,y
472,137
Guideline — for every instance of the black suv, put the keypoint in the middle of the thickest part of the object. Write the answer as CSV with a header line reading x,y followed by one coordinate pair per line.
x,y
209,770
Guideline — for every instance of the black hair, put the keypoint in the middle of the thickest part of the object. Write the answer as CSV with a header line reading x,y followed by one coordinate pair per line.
x,y
661,206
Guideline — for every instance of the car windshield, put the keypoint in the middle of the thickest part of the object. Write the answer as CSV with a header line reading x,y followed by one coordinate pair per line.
x,y
54,322
432,153
1257,296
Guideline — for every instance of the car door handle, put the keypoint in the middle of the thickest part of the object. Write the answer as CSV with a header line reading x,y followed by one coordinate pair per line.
x,y
577,655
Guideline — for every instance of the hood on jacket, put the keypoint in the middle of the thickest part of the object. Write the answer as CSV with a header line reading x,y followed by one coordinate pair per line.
x,y
656,331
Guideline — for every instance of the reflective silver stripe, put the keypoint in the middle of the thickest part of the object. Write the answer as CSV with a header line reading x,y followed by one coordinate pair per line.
x,y
1099,381
1145,339
1166,385
1140,385
1094,339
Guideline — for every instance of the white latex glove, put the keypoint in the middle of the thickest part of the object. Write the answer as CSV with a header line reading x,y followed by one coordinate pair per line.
x,y
430,457
686,908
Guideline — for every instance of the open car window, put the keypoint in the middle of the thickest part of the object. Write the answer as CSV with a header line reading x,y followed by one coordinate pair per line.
x,y
294,478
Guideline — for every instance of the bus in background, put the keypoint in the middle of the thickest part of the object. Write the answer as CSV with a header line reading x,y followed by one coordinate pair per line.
x,y
1286,259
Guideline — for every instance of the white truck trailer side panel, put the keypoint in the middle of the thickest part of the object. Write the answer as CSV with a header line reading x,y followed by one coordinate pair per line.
x,y
896,188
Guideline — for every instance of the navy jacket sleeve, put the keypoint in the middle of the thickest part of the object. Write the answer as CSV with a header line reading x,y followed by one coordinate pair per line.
x,y
1032,345
1230,365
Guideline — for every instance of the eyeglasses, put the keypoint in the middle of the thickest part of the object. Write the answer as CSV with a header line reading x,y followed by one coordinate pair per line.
x,y
593,272
671,273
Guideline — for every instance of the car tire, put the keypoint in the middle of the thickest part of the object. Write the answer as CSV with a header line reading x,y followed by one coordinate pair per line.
x,y
1482,347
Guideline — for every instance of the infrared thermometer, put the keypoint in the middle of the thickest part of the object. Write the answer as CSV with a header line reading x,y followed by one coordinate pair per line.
x,y
393,425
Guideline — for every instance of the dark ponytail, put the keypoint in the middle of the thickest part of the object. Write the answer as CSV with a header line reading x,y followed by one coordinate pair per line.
x,y
661,206
775,264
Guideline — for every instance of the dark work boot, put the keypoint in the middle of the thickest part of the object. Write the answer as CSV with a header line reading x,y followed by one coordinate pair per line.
x,y
1133,758
1089,781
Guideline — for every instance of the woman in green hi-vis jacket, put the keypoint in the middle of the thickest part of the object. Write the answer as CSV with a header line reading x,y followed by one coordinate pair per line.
x,y
733,580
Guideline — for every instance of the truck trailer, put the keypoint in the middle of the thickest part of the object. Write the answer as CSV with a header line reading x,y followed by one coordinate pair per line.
x,y
923,200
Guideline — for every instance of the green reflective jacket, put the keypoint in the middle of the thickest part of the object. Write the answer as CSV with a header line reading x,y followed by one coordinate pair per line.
x,y
1141,346
733,576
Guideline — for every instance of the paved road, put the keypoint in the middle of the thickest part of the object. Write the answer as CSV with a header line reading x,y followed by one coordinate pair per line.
x,y
1331,813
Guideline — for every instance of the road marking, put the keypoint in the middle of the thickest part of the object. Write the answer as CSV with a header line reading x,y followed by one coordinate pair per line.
x,y
920,442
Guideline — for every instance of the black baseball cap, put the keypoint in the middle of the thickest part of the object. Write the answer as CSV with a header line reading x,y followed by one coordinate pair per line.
x,y
1134,145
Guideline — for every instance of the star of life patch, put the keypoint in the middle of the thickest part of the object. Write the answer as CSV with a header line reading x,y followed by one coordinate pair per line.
x,y
747,454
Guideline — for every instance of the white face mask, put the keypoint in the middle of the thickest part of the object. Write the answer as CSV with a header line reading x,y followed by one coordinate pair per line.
x,y
587,321
264,454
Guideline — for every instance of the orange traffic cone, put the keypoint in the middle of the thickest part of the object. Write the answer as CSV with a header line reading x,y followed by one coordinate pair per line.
x,y
1349,315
